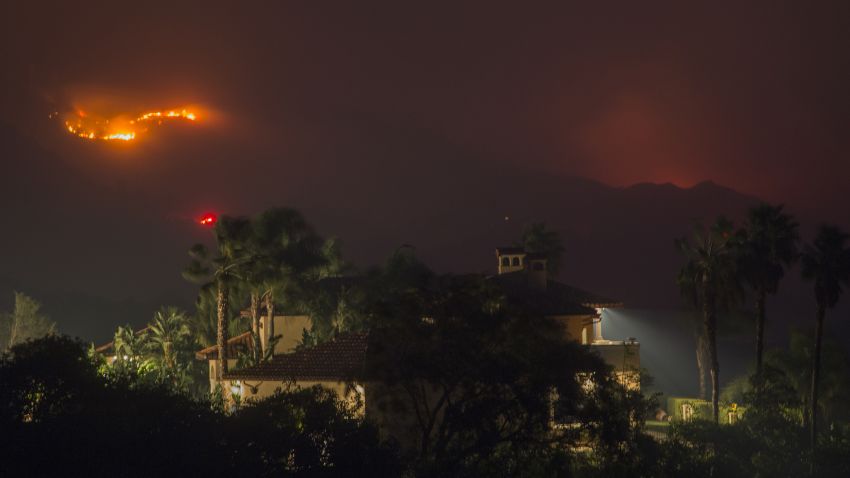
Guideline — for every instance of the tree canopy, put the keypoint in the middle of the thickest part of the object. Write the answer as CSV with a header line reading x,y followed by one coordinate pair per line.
x,y
24,322
537,238
60,416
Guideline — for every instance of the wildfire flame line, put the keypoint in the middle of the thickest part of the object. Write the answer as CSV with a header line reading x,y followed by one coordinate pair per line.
x,y
102,130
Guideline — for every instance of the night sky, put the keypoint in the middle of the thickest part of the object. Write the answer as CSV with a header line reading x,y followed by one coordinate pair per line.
x,y
425,123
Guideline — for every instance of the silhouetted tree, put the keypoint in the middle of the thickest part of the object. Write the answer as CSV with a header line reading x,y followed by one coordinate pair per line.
x,y
61,417
288,254
795,365
337,306
479,385
708,280
307,433
24,322
539,239
826,262
221,272
204,322
768,248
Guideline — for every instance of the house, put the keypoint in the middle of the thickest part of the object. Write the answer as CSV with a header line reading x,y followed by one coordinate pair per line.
x,y
524,279
341,363
338,364
290,328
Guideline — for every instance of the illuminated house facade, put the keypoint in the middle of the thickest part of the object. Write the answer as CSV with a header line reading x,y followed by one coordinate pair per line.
x,y
340,364
335,364
289,328
524,279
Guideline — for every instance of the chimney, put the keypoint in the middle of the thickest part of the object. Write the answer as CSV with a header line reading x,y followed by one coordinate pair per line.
x,y
510,259
537,277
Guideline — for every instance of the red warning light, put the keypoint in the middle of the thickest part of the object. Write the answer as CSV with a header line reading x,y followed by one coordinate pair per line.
x,y
207,219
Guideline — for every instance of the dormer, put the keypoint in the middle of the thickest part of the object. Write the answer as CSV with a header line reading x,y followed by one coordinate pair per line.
x,y
511,259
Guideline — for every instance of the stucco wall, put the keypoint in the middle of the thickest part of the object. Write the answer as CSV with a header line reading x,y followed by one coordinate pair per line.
x,y
231,363
578,327
289,327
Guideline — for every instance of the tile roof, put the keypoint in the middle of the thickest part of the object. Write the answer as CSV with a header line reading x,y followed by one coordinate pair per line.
x,y
585,298
509,250
556,299
340,359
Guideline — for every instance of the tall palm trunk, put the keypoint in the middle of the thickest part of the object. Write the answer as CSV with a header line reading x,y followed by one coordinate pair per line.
x,y
702,363
813,401
715,375
710,323
269,318
760,313
167,355
221,334
255,326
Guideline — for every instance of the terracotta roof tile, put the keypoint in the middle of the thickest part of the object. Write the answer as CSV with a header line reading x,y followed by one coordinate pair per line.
x,y
556,299
339,359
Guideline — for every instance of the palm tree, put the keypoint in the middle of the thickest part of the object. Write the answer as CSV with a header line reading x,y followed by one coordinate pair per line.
x,y
203,324
702,362
221,272
539,239
826,262
167,330
288,254
708,281
127,344
768,248
255,278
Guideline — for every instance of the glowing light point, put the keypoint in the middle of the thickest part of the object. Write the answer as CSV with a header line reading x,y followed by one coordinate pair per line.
x,y
207,219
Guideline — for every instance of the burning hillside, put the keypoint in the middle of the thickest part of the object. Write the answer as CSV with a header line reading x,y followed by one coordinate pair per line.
x,y
123,127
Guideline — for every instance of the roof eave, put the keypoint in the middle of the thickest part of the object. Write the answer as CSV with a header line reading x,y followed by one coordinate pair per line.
x,y
300,378
604,305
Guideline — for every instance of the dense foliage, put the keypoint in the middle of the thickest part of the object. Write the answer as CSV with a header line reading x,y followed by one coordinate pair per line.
x,y
61,417
468,383
718,263
472,382
162,352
